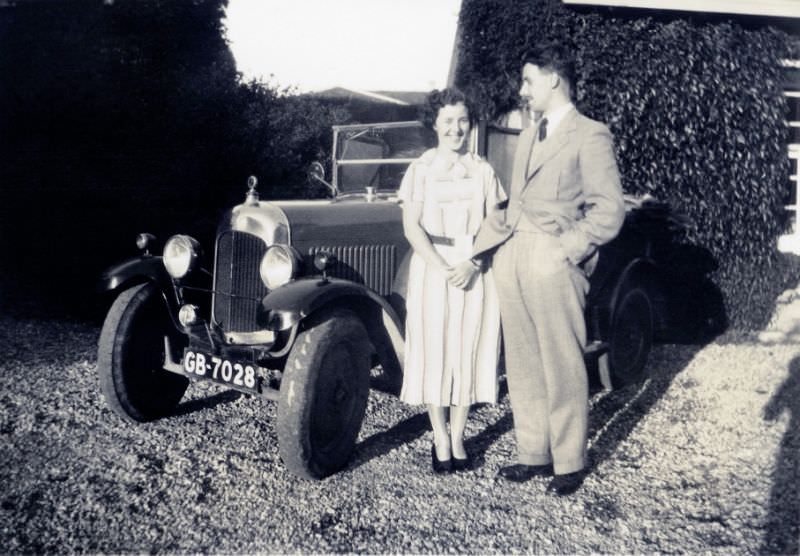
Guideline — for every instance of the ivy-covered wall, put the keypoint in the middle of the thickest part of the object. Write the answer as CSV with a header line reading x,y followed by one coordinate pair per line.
x,y
697,112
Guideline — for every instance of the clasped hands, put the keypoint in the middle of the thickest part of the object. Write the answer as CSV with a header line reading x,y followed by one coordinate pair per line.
x,y
462,274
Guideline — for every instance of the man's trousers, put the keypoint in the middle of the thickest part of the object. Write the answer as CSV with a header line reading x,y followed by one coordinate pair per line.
x,y
542,299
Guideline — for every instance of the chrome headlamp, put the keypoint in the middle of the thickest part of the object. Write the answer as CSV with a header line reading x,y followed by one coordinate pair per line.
x,y
278,266
181,255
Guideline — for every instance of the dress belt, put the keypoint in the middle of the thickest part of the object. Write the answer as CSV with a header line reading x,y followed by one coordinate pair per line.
x,y
441,240
532,232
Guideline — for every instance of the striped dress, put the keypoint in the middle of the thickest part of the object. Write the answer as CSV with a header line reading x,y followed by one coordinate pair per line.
x,y
452,335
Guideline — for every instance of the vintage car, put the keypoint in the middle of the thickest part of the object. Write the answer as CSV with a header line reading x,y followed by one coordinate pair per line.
x,y
302,302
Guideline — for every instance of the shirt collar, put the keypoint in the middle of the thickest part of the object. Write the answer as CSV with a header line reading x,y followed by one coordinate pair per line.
x,y
464,166
556,116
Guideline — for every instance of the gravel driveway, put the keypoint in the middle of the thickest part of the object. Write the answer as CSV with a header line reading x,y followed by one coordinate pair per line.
x,y
701,457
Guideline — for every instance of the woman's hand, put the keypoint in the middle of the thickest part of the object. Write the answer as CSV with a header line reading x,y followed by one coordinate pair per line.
x,y
462,274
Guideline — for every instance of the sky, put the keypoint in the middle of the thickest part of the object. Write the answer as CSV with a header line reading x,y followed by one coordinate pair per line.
x,y
397,45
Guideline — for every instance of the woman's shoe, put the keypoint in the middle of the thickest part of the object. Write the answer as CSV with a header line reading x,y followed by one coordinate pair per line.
x,y
440,467
462,464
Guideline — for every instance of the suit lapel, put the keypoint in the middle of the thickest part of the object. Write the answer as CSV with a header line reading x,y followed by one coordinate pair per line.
x,y
552,145
522,159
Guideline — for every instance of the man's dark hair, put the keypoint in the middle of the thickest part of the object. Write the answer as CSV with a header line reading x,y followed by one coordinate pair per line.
x,y
437,99
553,57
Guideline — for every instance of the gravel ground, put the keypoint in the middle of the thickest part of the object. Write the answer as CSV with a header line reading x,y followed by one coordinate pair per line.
x,y
703,457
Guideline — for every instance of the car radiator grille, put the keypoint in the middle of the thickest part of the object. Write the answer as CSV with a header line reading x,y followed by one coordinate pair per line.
x,y
372,265
238,288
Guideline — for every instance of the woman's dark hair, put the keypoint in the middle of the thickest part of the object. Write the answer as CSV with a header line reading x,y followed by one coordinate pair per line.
x,y
553,57
437,99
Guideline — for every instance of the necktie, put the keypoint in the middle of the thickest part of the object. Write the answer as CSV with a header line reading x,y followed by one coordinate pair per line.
x,y
543,129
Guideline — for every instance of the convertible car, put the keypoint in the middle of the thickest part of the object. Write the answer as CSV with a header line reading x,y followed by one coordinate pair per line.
x,y
302,302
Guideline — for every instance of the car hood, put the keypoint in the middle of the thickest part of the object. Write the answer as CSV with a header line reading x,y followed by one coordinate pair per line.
x,y
315,222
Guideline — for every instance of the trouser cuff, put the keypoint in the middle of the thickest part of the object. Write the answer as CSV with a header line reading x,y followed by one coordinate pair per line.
x,y
569,466
534,459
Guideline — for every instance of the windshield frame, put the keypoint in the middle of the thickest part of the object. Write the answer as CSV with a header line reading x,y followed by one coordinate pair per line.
x,y
338,163
474,147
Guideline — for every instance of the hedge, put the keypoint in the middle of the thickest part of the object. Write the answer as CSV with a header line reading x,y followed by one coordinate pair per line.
x,y
697,112
130,116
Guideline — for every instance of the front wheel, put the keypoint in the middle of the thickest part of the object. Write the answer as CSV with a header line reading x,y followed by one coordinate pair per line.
x,y
631,336
323,395
130,356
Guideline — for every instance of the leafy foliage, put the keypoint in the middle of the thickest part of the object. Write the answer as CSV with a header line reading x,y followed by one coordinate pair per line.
x,y
696,110
129,116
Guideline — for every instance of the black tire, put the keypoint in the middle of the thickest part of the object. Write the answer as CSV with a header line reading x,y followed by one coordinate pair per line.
x,y
130,356
631,336
323,395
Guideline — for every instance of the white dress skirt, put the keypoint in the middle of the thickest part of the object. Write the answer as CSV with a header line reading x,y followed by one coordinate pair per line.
x,y
452,341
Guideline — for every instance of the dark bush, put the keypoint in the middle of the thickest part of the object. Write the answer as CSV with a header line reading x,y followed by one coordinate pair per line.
x,y
696,110
124,116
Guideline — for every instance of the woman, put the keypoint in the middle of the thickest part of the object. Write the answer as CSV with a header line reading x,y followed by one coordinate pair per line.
x,y
453,320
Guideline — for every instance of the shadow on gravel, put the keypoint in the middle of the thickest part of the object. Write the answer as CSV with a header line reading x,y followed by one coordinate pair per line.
x,y
783,521
201,404
384,442
479,444
617,413
412,428
612,418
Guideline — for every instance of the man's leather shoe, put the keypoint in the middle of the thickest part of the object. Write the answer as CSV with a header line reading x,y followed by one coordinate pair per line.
x,y
440,467
519,473
564,485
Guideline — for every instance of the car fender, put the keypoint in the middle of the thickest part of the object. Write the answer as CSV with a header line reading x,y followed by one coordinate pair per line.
x,y
294,302
640,268
144,268
136,269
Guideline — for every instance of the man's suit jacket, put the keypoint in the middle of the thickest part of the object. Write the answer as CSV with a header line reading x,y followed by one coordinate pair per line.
x,y
567,185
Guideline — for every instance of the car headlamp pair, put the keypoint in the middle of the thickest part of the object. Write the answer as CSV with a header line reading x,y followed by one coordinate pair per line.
x,y
182,254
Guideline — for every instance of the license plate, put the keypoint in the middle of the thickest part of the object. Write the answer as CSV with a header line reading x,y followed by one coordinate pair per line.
x,y
236,374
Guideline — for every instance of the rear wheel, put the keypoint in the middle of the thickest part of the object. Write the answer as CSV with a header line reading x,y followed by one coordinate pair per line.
x,y
130,356
323,395
631,336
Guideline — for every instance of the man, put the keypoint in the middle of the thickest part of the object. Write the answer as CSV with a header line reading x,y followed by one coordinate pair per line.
x,y
565,201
